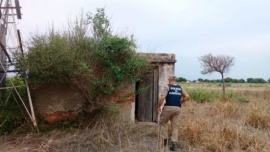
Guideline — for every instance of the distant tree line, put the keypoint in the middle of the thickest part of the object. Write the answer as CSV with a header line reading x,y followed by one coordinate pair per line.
x,y
227,80
256,80
181,79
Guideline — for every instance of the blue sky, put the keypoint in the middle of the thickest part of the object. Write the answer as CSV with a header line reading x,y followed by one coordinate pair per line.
x,y
187,28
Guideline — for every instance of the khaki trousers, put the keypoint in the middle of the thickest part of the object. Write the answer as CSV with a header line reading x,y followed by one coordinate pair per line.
x,y
170,113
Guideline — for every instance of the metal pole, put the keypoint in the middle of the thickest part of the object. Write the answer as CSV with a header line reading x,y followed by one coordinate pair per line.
x,y
31,106
159,138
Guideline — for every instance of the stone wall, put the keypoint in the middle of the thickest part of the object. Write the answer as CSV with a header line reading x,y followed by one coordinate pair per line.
x,y
124,102
55,101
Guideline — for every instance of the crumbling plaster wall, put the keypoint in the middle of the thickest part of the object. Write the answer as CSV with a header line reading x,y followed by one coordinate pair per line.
x,y
166,64
165,71
56,101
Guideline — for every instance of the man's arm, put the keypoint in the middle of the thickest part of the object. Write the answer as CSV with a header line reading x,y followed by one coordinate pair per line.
x,y
162,98
161,101
185,97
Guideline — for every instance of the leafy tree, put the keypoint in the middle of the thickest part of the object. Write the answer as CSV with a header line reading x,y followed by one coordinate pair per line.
x,y
200,80
206,80
268,80
228,79
241,81
256,80
181,79
250,80
217,81
100,24
259,80
219,63
231,80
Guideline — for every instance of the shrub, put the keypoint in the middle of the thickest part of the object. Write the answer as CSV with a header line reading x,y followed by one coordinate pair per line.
x,y
11,115
97,63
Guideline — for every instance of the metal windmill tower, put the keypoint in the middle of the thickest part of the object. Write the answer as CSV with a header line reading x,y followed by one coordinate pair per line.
x,y
11,43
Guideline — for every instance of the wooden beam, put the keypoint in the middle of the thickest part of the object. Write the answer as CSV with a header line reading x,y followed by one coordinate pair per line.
x,y
9,71
4,49
18,9
1,3
20,40
8,7
0,10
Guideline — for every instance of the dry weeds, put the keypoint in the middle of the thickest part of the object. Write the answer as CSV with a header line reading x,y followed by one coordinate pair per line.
x,y
258,115
217,126
101,137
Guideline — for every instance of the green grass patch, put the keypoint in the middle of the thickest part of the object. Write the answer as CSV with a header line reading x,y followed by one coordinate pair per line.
x,y
202,95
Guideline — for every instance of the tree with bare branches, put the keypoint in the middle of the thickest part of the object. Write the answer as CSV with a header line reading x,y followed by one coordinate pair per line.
x,y
219,63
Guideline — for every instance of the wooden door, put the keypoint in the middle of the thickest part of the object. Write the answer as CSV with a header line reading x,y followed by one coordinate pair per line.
x,y
147,97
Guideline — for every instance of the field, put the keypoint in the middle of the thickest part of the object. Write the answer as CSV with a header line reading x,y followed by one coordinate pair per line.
x,y
240,121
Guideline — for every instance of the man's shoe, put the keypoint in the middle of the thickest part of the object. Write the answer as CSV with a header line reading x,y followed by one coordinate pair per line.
x,y
173,147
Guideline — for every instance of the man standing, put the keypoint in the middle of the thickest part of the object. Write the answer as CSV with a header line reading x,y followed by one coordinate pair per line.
x,y
175,96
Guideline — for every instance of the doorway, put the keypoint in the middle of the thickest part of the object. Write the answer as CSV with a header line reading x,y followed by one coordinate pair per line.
x,y
147,97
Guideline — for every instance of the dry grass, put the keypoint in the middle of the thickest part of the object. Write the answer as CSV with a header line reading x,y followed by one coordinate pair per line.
x,y
258,116
226,137
226,109
218,126
229,125
257,94
101,137
193,131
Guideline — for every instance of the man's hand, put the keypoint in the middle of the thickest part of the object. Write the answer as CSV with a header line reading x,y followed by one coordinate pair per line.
x,y
159,109
161,100
185,97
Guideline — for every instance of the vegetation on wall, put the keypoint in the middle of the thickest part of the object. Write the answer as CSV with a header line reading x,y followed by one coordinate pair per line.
x,y
87,53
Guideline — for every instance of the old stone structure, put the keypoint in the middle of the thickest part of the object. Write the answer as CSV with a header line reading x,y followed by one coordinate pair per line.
x,y
136,102
144,107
